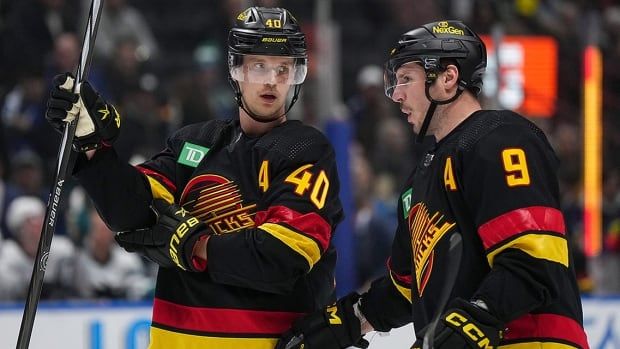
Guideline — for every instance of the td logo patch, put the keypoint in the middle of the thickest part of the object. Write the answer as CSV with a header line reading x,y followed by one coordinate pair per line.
x,y
192,154
406,199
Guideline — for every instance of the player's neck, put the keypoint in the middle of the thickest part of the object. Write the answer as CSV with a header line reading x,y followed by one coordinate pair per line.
x,y
252,127
453,114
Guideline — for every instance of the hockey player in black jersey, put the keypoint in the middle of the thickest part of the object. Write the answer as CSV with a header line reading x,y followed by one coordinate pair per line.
x,y
239,214
489,176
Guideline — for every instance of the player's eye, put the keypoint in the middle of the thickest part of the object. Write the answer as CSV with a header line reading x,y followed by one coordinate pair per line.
x,y
403,79
283,70
257,67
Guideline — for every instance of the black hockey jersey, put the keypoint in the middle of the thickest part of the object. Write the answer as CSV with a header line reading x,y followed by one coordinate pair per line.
x,y
492,179
273,203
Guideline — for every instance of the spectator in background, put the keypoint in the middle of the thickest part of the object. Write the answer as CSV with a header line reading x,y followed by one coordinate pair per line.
x,y
392,139
104,270
4,154
136,92
206,94
120,21
29,32
375,217
7,193
369,107
29,177
608,262
25,217
27,174
65,57
566,141
23,116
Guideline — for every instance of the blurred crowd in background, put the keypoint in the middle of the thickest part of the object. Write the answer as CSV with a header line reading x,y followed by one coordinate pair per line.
x,y
163,64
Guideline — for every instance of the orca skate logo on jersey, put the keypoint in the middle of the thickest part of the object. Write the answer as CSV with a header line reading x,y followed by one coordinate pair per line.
x,y
192,154
217,201
426,231
428,159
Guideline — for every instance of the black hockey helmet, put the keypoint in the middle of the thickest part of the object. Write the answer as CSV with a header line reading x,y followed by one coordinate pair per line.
x,y
269,32
433,42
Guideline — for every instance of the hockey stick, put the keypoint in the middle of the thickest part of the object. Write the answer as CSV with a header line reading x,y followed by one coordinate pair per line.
x,y
454,261
62,166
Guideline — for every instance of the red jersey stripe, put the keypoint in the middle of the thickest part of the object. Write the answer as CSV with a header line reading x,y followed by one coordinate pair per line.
x,y
311,224
550,326
225,321
533,218
403,279
160,177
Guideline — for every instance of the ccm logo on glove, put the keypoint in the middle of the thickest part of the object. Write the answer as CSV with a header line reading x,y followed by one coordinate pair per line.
x,y
469,328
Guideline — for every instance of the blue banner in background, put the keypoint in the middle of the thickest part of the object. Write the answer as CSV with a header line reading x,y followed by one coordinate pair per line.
x,y
125,325
340,133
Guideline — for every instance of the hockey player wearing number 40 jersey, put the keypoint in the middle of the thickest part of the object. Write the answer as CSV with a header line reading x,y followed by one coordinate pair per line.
x,y
486,175
238,214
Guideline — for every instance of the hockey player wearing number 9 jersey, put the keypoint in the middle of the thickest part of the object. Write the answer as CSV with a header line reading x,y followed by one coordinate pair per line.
x,y
238,214
487,175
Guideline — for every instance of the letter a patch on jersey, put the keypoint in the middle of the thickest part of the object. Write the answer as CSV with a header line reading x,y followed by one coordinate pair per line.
x,y
192,154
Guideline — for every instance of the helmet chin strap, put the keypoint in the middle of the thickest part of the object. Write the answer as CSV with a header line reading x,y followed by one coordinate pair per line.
x,y
241,104
431,108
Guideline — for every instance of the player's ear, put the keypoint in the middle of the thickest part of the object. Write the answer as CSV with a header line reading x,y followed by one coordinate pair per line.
x,y
450,76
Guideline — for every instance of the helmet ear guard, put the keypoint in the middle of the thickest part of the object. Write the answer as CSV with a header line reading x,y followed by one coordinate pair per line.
x,y
432,68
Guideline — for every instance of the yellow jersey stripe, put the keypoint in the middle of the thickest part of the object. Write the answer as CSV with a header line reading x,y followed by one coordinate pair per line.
x,y
542,246
405,291
537,345
305,246
164,339
159,191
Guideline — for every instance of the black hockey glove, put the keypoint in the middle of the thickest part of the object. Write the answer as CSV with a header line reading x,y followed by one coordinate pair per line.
x,y
170,242
335,327
464,325
99,123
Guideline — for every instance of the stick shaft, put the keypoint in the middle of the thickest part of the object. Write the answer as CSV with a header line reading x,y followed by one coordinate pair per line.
x,y
52,213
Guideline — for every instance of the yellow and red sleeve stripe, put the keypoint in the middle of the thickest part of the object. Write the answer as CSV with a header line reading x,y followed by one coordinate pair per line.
x,y
401,282
548,330
161,186
537,230
307,234
220,321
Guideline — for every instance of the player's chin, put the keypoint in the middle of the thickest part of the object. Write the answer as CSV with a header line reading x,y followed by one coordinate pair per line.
x,y
271,110
269,115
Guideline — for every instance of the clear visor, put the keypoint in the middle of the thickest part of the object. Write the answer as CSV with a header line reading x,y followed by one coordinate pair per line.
x,y
395,78
269,70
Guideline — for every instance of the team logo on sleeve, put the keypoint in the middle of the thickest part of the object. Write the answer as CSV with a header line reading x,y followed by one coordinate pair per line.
x,y
192,154
217,202
426,231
